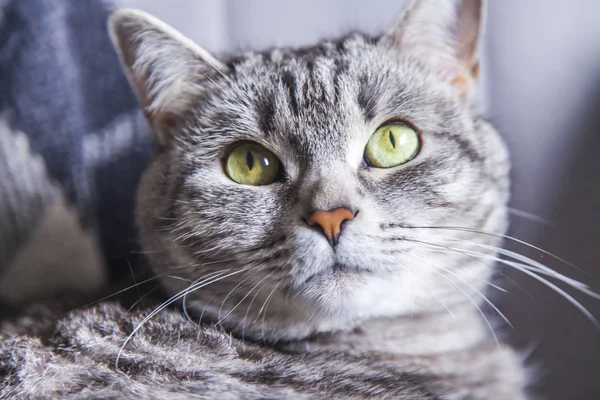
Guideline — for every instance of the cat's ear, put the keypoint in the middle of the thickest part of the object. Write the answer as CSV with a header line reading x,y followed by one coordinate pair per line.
x,y
166,70
444,36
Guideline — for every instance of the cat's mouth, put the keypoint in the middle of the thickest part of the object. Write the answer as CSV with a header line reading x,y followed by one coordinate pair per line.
x,y
336,266
337,270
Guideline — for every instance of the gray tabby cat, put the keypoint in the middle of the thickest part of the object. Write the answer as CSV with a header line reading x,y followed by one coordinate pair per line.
x,y
330,200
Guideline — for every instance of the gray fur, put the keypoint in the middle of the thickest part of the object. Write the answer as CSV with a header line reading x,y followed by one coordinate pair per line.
x,y
392,310
171,358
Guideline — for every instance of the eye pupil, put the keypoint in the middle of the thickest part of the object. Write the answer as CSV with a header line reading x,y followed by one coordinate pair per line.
x,y
392,140
250,160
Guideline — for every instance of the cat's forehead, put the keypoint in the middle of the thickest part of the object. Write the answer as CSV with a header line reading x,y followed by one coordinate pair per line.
x,y
315,87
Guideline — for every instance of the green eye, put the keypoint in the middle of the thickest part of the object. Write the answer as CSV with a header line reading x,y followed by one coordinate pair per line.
x,y
392,145
252,164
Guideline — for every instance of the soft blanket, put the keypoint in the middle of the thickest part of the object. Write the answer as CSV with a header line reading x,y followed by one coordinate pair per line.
x,y
73,357
73,143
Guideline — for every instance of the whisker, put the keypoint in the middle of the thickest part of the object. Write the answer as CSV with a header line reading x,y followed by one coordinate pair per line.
x,y
488,301
250,305
243,298
531,217
180,278
264,307
170,270
557,289
137,288
166,304
118,292
498,288
436,296
526,269
541,268
143,297
267,300
445,306
497,235
487,265
184,300
200,319
468,297
498,272
246,317
232,291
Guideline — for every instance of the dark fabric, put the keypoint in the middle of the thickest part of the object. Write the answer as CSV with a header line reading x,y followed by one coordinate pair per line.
x,y
62,86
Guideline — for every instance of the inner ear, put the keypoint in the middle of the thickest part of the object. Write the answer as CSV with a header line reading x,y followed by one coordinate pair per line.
x,y
444,37
167,71
469,29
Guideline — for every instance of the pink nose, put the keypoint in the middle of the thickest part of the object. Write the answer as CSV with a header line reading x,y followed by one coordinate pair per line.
x,y
330,222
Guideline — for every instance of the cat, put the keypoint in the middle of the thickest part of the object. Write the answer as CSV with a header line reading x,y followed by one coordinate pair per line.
x,y
342,198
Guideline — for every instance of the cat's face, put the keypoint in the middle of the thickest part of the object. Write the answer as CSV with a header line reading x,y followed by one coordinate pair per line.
x,y
340,226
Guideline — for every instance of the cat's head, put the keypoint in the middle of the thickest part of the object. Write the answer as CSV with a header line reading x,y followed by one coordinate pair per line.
x,y
306,190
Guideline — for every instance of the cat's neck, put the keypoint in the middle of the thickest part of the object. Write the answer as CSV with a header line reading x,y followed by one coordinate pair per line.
x,y
414,335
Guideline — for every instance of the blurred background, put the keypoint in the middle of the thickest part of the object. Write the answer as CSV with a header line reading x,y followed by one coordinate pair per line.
x,y
541,89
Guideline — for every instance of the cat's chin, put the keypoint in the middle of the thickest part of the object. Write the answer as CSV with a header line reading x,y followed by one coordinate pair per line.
x,y
284,328
339,299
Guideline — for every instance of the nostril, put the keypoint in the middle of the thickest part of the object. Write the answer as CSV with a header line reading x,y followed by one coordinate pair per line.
x,y
346,221
349,217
